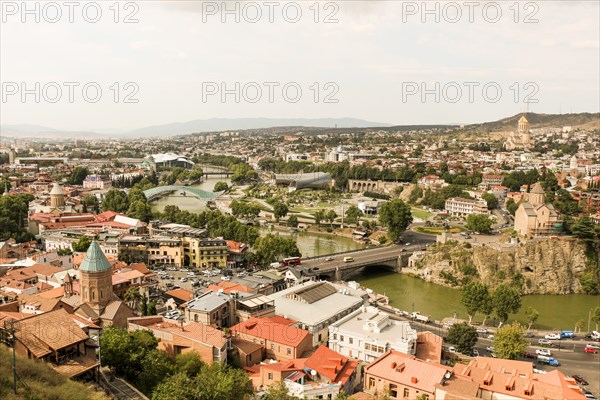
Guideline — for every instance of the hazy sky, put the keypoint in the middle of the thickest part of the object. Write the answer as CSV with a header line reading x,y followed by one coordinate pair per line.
x,y
372,57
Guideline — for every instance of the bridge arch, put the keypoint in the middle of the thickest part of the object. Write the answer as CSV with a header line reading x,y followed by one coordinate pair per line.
x,y
200,194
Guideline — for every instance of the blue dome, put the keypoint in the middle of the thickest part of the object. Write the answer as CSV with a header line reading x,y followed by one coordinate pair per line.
x,y
94,260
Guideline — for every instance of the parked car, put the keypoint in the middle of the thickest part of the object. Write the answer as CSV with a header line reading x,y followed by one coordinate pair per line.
x,y
579,379
490,348
329,259
490,337
545,342
528,335
543,352
552,336
452,349
482,330
593,346
529,355
475,353
590,350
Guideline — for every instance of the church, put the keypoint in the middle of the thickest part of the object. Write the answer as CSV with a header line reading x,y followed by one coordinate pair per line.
x,y
96,300
534,216
521,139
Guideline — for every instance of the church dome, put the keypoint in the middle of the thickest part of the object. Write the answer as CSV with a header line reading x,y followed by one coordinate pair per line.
x,y
57,190
94,260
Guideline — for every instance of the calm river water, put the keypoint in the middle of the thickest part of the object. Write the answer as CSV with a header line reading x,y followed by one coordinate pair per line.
x,y
556,311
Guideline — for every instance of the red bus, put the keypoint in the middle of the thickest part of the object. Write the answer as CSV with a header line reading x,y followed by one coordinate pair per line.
x,y
291,261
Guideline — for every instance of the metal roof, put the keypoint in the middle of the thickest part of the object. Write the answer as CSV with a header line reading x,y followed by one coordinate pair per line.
x,y
94,260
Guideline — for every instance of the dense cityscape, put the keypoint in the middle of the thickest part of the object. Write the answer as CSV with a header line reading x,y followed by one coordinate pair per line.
x,y
236,264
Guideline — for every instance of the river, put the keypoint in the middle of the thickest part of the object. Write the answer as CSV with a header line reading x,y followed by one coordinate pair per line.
x,y
319,244
409,293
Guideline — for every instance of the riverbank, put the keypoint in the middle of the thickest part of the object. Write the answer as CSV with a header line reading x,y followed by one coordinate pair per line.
x,y
409,293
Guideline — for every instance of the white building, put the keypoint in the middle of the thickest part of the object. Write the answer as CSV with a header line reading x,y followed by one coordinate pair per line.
x,y
317,305
460,206
367,333
101,182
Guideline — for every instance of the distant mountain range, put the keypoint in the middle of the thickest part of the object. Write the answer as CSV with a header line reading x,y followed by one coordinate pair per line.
x,y
581,120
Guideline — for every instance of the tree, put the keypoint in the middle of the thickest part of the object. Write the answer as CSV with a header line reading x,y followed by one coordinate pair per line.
x,y
532,316
474,296
217,381
352,215
463,336
479,223
280,210
396,215
270,248
13,213
507,300
278,391
78,175
82,244
511,206
140,210
115,200
220,187
331,216
189,363
319,216
584,229
509,341
596,316
155,366
491,200
124,351
133,297
292,221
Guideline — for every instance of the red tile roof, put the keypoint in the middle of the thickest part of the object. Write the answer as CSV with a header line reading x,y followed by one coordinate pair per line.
x,y
266,329
331,364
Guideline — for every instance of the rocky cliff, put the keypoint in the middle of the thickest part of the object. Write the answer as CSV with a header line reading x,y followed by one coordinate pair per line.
x,y
544,266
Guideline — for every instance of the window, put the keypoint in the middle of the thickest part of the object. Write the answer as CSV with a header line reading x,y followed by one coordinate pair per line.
x,y
335,336
350,340
341,338
371,382
195,317
394,390
270,376
289,351
406,392
273,347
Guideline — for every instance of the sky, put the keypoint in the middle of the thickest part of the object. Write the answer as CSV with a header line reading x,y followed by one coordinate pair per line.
x,y
152,62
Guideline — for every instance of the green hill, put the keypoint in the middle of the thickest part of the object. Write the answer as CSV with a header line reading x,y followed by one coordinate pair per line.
x,y
43,381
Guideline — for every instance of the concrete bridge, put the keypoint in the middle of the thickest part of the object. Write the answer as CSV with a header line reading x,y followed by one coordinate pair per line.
x,y
333,267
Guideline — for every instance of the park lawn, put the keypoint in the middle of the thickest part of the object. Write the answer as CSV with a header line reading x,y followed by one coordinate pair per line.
x,y
438,231
417,212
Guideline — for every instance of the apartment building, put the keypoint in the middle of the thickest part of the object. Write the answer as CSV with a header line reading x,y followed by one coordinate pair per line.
x,y
463,207
367,333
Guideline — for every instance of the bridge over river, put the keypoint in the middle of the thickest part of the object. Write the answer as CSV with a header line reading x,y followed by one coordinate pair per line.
x,y
333,267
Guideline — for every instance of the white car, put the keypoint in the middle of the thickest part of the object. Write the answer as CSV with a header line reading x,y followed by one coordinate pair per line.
x,y
452,349
490,348
552,336
543,352
482,330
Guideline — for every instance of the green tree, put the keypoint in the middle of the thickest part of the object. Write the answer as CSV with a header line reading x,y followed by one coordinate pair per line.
x,y
491,200
584,229
507,300
474,296
270,248
13,213
511,206
78,175
509,341
189,363
463,336
396,216
133,297
220,187
140,210
292,221
319,216
330,216
479,223
279,210
124,351
115,200
217,381
82,244
352,215
279,391
532,316
155,366
596,316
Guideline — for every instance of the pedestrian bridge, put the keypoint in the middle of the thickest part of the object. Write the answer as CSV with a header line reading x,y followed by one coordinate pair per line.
x,y
333,267
200,194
